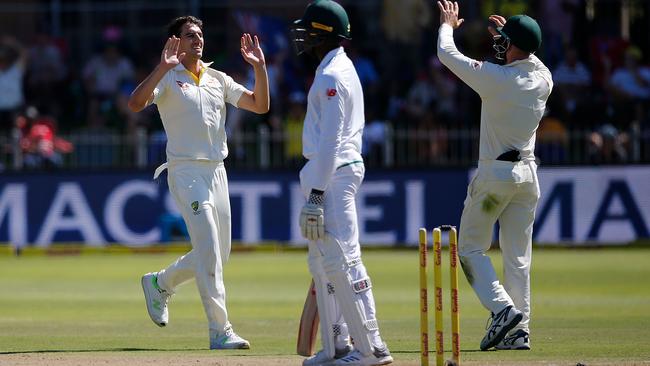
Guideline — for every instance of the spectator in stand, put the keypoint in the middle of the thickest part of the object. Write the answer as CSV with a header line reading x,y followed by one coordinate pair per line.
x,y
46,74
607,145
446,89
631,81
630,87
41,147
104,76
433,84
12,70
420,96
572,80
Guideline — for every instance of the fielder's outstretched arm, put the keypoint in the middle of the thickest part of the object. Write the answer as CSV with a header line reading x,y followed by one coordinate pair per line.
x,y
483,77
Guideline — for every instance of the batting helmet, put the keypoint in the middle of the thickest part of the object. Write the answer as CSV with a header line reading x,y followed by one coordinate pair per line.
x,y
523,32
323,19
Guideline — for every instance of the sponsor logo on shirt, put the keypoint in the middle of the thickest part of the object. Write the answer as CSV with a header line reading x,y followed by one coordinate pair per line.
x,y
476,65
182,85
331,92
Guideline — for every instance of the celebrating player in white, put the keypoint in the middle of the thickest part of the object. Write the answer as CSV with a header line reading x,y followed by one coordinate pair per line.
x,y
330,181
191,99
505,187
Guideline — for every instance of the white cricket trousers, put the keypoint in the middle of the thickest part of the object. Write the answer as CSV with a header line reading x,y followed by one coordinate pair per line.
x,y
341,245
200,189
507,192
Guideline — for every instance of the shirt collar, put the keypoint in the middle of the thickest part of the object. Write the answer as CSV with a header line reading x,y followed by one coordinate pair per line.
x,y
197,79
522,61
329,56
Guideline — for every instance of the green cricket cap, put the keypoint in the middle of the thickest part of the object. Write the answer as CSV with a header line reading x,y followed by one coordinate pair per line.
x,y
327,16
522,31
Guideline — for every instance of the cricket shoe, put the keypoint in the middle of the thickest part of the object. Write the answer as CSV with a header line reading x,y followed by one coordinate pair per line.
x,y
380,356
519,340
156,299
228,340
322,359
499,325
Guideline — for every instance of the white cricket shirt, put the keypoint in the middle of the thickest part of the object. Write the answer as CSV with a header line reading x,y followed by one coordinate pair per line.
x,y
331,134
513,97
193,112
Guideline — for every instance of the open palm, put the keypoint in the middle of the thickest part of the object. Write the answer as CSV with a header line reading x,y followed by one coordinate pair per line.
x,y
170,57
251,50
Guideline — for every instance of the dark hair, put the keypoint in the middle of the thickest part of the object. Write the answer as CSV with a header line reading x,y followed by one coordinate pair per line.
x,y
174,27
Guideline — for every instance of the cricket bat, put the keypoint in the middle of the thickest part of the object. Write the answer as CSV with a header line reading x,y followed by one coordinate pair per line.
x,y
308,324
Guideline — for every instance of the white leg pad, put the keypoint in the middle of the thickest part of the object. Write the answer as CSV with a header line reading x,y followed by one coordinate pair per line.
x,y
354,297
331,320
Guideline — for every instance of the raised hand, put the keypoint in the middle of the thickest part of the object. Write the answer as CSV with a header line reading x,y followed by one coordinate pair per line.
x,y
251,50
170,56
449,13
499,21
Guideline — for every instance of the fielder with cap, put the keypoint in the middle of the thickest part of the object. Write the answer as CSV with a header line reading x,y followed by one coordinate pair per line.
x,y
330,181
505,187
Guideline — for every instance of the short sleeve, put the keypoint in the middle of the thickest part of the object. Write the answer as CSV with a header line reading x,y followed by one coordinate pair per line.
x,y
161,88
232,90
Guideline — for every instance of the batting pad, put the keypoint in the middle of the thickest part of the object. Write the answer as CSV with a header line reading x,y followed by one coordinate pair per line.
x,y
327,307
355,300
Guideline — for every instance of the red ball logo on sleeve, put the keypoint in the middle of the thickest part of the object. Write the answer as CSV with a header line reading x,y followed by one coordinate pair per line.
x,y
331,92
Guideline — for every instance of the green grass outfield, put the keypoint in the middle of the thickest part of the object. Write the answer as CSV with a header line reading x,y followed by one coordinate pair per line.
x,y
589,305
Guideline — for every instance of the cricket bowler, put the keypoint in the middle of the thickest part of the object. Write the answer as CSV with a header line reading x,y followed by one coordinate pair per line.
x,y
191,98
505,187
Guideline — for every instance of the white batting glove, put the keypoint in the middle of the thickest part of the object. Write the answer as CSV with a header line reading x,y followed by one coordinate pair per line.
x,y
312,217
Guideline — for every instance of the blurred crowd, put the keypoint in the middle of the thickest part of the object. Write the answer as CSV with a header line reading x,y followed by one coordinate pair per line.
x,y
600,103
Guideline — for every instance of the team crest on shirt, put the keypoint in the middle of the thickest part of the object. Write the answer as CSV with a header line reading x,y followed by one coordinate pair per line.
x,y
331,92
195,207
182,85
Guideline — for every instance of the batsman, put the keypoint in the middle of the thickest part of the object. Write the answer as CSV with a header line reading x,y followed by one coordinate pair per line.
x,y
505,188
330,180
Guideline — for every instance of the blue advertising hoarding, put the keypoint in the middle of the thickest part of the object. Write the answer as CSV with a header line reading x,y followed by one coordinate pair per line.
x,y
130,208
607,205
